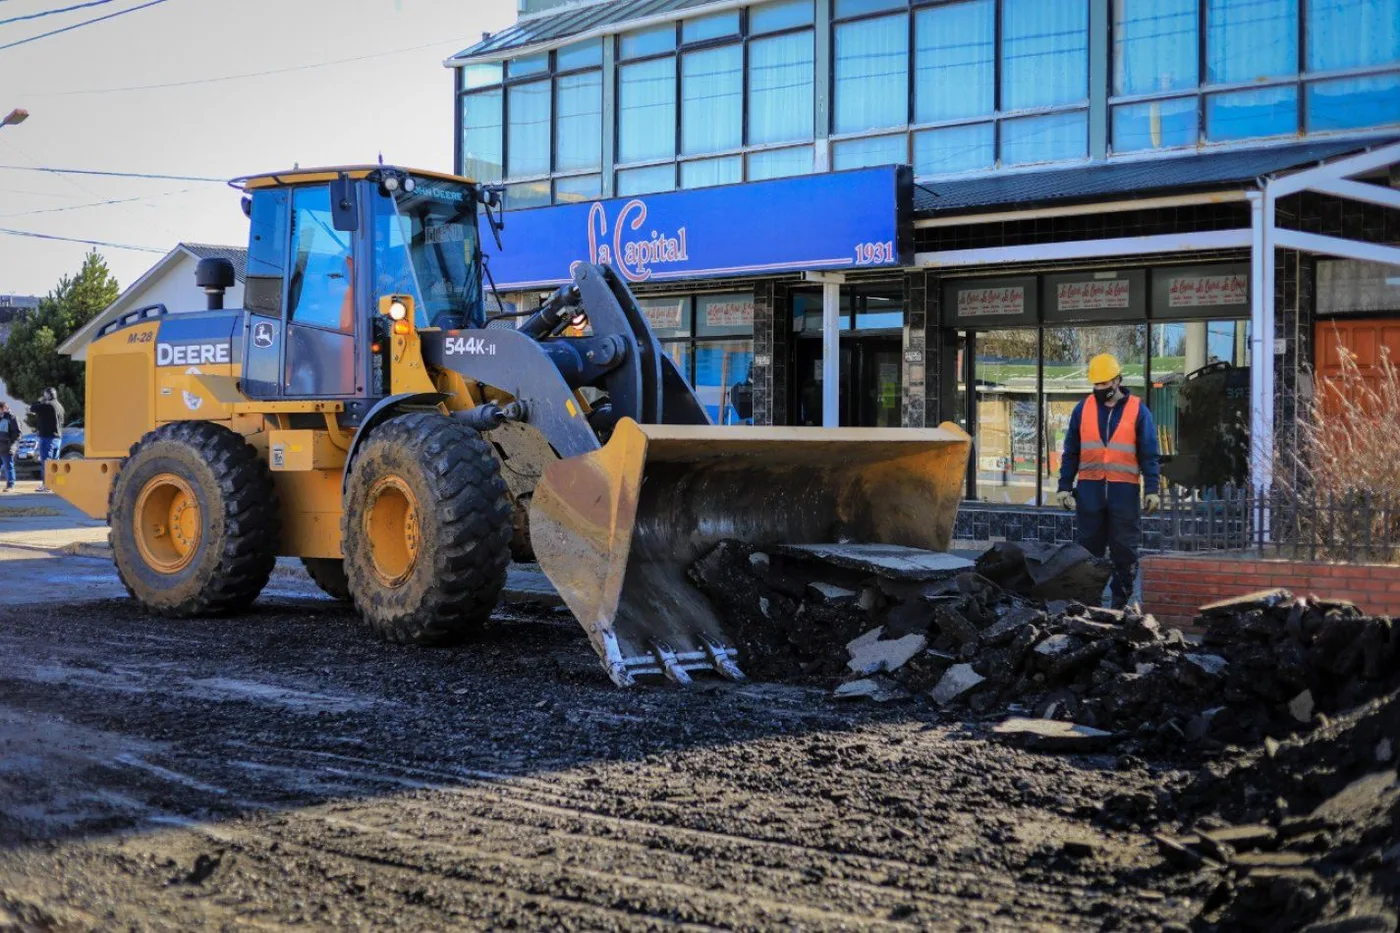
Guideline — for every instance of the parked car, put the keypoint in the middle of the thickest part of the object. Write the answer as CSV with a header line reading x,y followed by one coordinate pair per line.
x,y
27,450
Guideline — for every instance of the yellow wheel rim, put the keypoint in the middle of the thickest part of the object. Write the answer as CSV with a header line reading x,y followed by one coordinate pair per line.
x,y
168,523
391,527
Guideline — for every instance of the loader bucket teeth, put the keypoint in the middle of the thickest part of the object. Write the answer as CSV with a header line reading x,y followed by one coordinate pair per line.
x,y
616,529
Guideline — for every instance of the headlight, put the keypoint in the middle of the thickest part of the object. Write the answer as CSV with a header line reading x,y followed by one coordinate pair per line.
x,y
397,311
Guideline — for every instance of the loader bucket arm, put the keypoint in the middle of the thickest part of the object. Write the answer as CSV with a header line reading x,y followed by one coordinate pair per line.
x,y
615,530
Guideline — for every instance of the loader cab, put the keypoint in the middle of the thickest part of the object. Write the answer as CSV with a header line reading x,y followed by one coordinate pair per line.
x,y
323,248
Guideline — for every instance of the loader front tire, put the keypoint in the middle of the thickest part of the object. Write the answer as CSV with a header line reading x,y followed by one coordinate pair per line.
x,y
329,574
426,530
194,521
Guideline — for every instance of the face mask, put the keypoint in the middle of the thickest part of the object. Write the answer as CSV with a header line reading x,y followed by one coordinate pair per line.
x,y
1102,396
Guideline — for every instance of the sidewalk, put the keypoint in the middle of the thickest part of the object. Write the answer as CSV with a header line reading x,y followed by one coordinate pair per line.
x,y
35,521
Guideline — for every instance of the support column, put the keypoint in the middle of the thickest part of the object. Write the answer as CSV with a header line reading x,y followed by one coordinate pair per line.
x,y
772,335
831,354
1261,319
926,369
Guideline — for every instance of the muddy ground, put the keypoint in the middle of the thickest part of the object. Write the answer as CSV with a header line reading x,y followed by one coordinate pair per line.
x,y
285,769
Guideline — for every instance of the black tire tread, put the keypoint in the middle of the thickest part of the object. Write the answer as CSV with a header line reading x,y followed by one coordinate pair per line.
x,y
328,573
473,512
251,513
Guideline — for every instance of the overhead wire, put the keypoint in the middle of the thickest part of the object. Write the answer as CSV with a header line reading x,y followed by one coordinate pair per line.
x,y
68,239
78,207
43,13
86,22
238,77
84,171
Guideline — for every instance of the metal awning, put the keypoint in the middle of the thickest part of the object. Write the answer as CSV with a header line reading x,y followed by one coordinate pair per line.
x,y
562,25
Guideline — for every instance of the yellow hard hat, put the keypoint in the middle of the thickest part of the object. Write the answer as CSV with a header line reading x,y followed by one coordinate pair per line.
x,y
1104,368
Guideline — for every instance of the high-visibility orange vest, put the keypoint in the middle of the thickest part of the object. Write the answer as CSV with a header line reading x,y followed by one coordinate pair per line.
x,y
1116,459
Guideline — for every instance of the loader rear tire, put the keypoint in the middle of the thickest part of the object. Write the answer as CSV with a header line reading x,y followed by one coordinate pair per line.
x,y
194,521
426,530
329,574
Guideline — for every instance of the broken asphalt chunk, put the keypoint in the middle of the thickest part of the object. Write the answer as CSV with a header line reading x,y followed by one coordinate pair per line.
x,y
1052,735
871,657
956,681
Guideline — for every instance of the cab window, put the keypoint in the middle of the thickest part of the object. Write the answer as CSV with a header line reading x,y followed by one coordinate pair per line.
x,y
319,287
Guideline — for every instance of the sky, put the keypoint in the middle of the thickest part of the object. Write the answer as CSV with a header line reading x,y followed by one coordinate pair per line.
x,y
396,104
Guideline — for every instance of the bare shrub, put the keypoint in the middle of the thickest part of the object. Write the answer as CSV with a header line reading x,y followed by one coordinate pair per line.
x,y
1342,482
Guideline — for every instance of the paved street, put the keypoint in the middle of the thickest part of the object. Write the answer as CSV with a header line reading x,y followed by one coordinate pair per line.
x,y
284,767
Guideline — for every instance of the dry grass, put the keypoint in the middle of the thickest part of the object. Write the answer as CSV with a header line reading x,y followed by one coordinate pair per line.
x,y
1345,472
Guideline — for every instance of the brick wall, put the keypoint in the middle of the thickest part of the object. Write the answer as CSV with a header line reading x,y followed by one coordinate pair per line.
x,y
1174,587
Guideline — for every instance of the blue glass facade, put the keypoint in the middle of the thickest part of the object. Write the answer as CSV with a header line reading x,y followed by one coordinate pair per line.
x,y
950,86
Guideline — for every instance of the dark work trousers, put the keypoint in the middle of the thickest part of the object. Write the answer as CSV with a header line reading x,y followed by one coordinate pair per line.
x,y
1110,519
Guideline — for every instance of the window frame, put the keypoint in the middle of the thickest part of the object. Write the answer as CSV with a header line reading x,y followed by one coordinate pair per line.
x,y
1300,82
996,118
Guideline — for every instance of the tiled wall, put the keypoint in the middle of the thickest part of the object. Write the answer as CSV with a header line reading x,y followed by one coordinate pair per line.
x,y
772,339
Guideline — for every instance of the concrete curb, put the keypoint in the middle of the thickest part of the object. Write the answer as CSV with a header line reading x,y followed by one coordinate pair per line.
x,y
515,595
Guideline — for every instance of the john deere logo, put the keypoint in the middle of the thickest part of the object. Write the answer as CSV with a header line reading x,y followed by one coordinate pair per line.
x,y
262,335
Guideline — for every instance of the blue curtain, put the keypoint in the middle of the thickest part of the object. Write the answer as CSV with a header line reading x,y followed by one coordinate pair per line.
x,y
770,17
1045,53
646,108
780,89
955,149
780,163
880,150
1250,39
482,154
955,61
527,135
1052,138
1155,45
646,180
1158,124
1269,111
704,173
579,122
872,74
1353,33
1354,103
578,188
712,100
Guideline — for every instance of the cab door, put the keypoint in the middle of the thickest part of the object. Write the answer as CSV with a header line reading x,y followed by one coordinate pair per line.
x,y
263,293
319,360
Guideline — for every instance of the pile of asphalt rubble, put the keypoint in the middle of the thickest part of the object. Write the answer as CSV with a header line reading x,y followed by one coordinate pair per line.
x,y
1016,633
1288,708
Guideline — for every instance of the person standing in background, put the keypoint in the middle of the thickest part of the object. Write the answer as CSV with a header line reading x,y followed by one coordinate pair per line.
x,y
48,424
9,434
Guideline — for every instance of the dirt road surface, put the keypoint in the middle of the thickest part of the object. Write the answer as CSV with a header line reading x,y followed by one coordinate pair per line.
x,y
284,769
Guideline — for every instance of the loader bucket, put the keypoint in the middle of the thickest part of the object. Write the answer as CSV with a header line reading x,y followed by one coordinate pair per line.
x,y
616,529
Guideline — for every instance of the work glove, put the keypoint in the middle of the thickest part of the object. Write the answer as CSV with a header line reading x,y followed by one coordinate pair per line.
x,y
1066,500
1151,502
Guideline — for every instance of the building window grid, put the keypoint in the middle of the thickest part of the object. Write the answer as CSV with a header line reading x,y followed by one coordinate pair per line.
x,y
1204,91
550,74
743,38
911,127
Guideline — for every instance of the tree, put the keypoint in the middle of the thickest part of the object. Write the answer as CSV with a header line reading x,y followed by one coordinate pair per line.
x,y
30,361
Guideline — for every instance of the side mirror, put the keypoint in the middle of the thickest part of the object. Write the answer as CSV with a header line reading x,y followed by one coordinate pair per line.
x,y
345,205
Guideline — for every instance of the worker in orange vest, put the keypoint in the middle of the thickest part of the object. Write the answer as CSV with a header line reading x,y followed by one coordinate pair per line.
x,y
1111,443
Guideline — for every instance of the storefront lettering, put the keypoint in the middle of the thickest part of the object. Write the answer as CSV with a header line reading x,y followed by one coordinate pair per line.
x,y
1085,296
729,314
665,316
633,258
1199,291
986,302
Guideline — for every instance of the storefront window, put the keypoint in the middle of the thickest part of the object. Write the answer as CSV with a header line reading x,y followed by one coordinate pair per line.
x,y
955,61
872,74
668,317
527,134
483,155
1004,373
780,89
712,100
1200,401
579,122
720,366
646,99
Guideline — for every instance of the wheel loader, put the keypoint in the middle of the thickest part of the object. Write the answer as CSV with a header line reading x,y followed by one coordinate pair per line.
x,y
360,412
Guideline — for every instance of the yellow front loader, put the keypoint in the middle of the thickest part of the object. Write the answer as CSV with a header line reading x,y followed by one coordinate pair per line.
x,y
361,413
